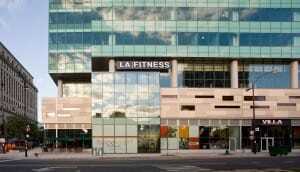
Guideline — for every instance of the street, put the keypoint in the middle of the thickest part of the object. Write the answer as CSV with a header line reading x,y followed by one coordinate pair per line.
x,y
151,165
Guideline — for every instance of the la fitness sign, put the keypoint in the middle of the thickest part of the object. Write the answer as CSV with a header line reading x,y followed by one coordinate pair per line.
x,y
143,65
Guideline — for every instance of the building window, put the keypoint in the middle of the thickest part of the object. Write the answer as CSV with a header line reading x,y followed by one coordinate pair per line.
x,y
204,74
294,97
228,98
204,96
77,90
286,104
296,137
98,115
251,71
164,80
169,96
213,137
260,107
256,98
188,108
227,107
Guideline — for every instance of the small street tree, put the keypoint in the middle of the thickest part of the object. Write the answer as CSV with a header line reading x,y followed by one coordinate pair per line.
x,y
16,127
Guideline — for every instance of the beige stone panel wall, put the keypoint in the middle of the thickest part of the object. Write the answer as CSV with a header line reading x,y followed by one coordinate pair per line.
x,y
70,112
205,107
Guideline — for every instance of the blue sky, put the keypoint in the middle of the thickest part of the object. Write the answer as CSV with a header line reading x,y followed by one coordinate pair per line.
x,y
24,31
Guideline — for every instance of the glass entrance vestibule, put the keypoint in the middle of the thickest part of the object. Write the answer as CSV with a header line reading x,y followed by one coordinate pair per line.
x,y
183,134
126,112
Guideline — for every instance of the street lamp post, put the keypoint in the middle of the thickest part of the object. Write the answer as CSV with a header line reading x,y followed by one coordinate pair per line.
x,y
85,131
3,115
25,112
254,130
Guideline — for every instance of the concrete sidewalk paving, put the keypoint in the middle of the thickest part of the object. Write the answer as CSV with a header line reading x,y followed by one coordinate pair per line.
x,y
87,154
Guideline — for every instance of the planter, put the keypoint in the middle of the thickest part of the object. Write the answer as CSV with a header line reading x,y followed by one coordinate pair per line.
x,y
279,150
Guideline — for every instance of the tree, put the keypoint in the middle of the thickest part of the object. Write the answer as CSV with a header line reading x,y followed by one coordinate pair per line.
x,y
16,127
118,114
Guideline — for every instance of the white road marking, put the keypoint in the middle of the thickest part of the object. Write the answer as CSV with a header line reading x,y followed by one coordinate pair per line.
x,y
42,169
182,168
53,168
8,160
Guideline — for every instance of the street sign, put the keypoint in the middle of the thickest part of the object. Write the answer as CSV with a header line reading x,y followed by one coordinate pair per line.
x,y
28,128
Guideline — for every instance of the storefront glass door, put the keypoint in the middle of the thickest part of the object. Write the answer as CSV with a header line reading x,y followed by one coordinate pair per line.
x,y
265,142
232,143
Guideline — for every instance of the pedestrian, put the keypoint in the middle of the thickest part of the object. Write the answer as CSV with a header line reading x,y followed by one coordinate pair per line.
x,y
3,148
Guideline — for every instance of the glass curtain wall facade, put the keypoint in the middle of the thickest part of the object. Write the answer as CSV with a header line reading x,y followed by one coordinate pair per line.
x,y
164,28
203,36
126,112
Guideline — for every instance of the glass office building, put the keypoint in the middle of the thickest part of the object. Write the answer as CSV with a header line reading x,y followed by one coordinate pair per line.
x,y
111,51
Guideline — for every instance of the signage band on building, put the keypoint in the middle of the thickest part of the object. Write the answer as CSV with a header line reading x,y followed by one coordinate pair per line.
x,y
143,65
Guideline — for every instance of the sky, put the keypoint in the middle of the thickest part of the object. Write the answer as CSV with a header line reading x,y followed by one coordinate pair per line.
x,y
24,31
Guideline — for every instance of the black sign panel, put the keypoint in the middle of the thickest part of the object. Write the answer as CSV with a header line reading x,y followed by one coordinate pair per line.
x,y
272,122
143,65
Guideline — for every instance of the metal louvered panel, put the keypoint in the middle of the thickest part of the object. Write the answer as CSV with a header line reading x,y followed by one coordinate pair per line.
x,y
172,122
183,122
69,126
295,122
224,122
50,126
61,126
163,122
193,122
77,126
88,126
246,123
234,122
204,122
214,122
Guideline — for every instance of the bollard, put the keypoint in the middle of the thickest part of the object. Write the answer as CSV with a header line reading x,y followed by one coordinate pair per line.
x,y
97,151
101,152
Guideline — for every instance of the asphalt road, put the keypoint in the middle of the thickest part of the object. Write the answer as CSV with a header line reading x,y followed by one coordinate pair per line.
x,y
171,165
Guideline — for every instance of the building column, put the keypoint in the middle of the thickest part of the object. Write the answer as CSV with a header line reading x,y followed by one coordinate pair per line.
x,y
234,74
112,39
294,74
173,14
59,88
174,39
236,40
111,65
59,95
174,73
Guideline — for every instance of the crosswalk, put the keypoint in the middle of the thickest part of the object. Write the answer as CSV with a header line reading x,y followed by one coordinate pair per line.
x,y
178,168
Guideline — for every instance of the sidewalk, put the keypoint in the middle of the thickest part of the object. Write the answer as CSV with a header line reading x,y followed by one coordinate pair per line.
x,y
183,154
